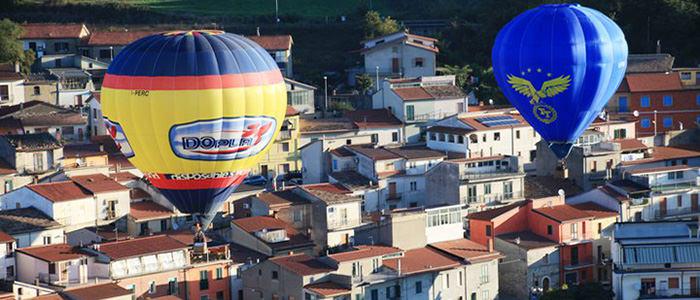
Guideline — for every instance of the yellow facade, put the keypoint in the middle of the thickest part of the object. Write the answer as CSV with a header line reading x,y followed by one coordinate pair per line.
x,y
284,155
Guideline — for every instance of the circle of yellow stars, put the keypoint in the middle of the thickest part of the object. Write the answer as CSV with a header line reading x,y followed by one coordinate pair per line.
x,y
539,70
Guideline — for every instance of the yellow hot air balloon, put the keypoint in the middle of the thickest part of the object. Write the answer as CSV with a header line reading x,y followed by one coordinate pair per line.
x,y
194,111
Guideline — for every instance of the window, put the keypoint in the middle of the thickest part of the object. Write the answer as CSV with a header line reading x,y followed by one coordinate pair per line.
x,y
484,278
297,215
220,295
487,188
206,297
620,133
622,104
668,122
203,280
414,186
446,284
374,294
172,286
387,290
546,258
685,75
105,53
697,98
517,134
374,138
485,294
348,142
47,240
574,231
419,287
507,189
679,200
645,101
37,91
219,273
285,147
394,136
483,138
549,229
450,138
474,139
68,130
488,230
460,279
668,100
441,137
673,282
152,287
460,139
410,113
4,92
432,136
600,227
645,122
496,136
60,47
335,165
275,275
38,161
419,62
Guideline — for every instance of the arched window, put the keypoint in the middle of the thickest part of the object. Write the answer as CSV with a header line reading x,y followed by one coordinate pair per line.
x,y
473,138
545,284
37,90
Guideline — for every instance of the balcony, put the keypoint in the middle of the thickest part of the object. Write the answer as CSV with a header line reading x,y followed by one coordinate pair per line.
x,y
488,199
676,186
653,293
340,223
284,135
507,172
568,266
676,212
579,238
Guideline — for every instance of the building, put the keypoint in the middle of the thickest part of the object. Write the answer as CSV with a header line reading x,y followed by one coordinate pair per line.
x,y
36,117
51,266
269,236
322,138
280,48
476,182
300,96
418,102
549,242
30,155
283,156
655,260
7,257
74,86
400,54
51,38
96,125
30,227
80,202
105,45
41,87
147,217
336,212
283,277
11,85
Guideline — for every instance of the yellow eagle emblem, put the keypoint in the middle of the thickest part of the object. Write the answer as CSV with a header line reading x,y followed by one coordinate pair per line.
x,y
549,88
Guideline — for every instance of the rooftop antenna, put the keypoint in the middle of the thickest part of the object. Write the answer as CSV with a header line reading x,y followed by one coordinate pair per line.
x,y
257,30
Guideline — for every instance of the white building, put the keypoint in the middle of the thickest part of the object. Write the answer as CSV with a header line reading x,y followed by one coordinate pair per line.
x,y
336,212
53,265
656,260
53,38
418,102
31,227
400,54
7,258
280,48
11,85
81,202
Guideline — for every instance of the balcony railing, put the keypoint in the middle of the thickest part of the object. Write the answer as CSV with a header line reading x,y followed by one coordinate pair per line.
x,y
675,212
343,223
284,135
490,174
568,265
492,197
580,237
676,186
684,293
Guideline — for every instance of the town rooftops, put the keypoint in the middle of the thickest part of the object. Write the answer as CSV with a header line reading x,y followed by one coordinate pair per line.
x,y
124,176
651,232
330,193
97,292
115,38
273,42
38,113
82,150
665,169
406,152
563,213
628,186
421,260
140,246
490,214
301,264
649,63
8,72
467,250
5,168
364,251
653,82
595,210
53,253
32,142
37,31
665,153
281,198
373,118
291,111
138,193
352,180
414,40
98,183
23,220
242,255
493,121
252,225
450,129
326,125
437,92
60,191
4,237
148,210
372,152
327,289
631,145
342,152
527,240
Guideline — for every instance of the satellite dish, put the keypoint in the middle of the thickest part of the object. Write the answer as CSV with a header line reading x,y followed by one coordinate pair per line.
x,y
561,192
635,113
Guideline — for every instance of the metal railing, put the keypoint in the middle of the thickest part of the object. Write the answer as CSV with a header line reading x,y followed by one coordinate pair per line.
x,y
343,223
492,197
675,186
284,135
569,265
491,174
654,293
678,211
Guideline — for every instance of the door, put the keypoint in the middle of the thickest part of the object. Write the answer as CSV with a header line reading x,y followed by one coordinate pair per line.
x,y
694,202
574,256
392,189
694,291
545,284
662,207
394,65
263,170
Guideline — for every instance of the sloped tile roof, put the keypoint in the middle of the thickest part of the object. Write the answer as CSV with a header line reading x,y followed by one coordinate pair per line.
x,y
302,264
98,183
148,210
488,215
364,251
421,260
51,31
327,289
97,292
467,250
115,38
140,246
563,213
60,191
53,253
273,42
654,82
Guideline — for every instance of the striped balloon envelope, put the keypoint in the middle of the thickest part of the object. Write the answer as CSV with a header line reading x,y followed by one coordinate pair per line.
x,y
194,111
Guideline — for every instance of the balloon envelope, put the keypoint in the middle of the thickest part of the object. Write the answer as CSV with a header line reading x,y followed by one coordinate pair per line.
x,y
559,65
194,110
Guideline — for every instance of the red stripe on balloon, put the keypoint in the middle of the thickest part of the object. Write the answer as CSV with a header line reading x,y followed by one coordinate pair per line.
x,y
174,83
160,181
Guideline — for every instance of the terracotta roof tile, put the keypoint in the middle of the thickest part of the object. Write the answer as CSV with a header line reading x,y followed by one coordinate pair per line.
x,y
98,183
54,296
51,31
330,193
654,82
630,144
342,152
412,93
364,251
527,240
665,153
326,125
4,237
97,292
32,142
563,213
595,210
327,289
373,118
53,253
124,176
24,220
115,38
140,246
302,264
416,152
421,260
661,169
291,111
379,153
488,215
5,168
138,193
450,130
149,210
655,62
465,249
273,42
281,198
184,236
60,191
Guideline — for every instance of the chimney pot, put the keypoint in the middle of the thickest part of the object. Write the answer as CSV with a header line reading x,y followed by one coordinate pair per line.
x,y
490,245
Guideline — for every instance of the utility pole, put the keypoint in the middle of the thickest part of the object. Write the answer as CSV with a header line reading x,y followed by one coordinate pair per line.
x,y
376,87
325,97
277,16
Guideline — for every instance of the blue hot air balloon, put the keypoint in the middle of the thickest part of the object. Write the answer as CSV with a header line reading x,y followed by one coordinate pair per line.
x,y
559,64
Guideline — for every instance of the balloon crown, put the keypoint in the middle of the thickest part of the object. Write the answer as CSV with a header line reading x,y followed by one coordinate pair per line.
x,y
193,32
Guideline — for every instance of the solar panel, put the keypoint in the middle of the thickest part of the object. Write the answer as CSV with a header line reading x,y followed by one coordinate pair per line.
x,y
497,121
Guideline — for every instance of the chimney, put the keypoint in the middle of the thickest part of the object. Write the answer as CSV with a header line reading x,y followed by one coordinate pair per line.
x,y
102,147
257,30
490,245
399,267
658,46
17,67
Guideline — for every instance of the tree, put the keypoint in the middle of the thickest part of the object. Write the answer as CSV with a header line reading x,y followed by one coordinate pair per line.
x,y
376,26
341,106
364,83
579,292
11,47
462,74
